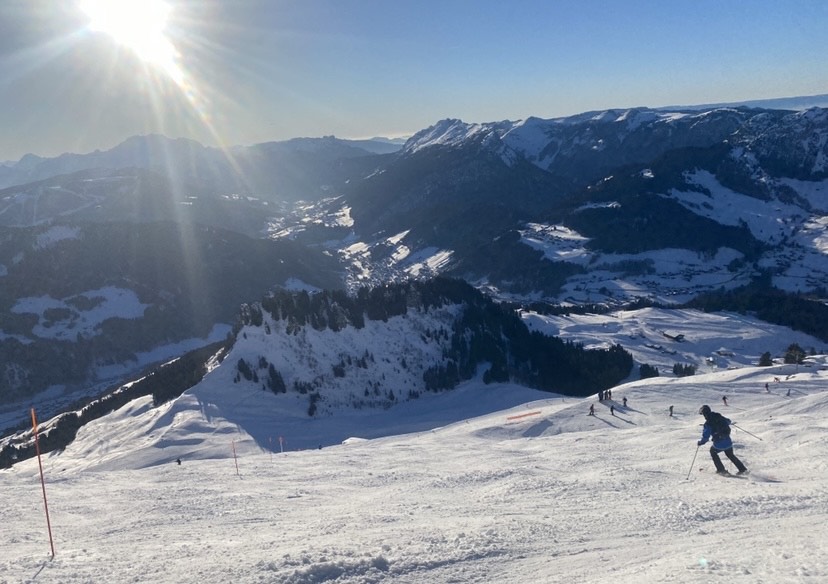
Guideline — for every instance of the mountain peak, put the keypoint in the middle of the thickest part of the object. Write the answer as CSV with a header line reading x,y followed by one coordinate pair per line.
x,y
446,132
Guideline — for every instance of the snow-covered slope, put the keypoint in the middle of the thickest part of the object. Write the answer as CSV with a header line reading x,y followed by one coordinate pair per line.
x,y
535,492
368,382
710,341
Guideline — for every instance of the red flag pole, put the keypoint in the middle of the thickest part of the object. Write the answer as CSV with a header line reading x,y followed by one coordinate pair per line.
x,y
42,482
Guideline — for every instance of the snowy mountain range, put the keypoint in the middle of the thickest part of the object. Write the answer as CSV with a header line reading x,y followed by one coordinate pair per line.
x,y
601,207
389,426
114,261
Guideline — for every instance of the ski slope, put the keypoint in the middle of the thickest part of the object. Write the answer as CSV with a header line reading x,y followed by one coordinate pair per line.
x,y
522,487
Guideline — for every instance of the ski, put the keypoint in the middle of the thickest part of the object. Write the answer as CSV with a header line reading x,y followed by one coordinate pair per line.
x,y
756,477
731,475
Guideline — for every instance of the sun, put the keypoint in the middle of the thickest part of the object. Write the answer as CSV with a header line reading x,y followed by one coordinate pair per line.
x,y
139,25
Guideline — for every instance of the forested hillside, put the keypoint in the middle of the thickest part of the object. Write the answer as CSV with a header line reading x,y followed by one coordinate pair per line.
x,y
485,334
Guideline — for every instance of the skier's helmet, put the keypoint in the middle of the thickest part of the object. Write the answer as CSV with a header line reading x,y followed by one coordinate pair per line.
x,y
704,410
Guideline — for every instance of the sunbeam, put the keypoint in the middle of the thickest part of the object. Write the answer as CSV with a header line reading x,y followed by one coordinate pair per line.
x,y
144,28
139,25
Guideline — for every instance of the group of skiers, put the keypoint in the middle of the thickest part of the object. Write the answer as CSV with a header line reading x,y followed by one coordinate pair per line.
x,y
606,396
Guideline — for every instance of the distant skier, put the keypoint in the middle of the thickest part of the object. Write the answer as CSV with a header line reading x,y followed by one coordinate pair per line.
x,y
625,402
612,410
671,411
178,461
724,399
718,427
788,394
767,387
591,410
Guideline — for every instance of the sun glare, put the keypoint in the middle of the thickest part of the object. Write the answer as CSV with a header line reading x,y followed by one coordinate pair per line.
x,y
141,27
138,25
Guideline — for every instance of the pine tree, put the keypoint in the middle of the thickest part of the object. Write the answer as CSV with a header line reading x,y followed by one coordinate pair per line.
x,y
794,354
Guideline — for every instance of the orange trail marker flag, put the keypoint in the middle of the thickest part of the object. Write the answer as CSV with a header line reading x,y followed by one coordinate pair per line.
x,y
42,482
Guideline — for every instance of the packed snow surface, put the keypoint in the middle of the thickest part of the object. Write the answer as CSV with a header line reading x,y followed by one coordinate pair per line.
x,y
484,484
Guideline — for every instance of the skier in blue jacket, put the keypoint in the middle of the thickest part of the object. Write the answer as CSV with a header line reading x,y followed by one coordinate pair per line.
x,y
717,427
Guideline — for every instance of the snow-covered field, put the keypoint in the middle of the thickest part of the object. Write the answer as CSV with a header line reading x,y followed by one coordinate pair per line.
x,y
711,341
490,484
105,303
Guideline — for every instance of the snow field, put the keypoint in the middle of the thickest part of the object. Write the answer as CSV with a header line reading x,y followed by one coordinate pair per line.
x,y
510,496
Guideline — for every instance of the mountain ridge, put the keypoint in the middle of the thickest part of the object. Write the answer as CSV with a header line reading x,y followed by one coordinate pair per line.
x,y
223,170
601,209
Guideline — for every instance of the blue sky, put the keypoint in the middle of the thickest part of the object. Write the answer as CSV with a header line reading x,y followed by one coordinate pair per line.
x,y
259,70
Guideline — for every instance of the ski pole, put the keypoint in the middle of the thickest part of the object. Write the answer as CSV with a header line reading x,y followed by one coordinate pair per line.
x,y
694,461
746,432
